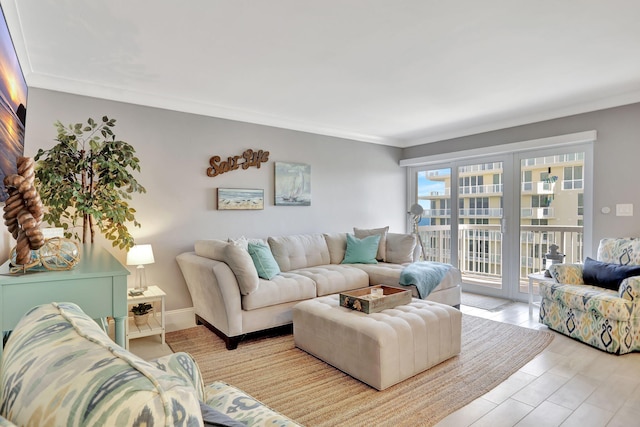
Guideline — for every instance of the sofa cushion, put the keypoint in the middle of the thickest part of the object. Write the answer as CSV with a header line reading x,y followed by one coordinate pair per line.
x,y
619,250
607,275
243,242
212,249
283,288
332,278
214,418
361,251
182,364
263,260
228,399
382,244
299,251
60,368
400,248
588,298
388,274
569,274
337,244
243,267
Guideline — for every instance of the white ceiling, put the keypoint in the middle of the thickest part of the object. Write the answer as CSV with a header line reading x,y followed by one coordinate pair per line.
x,y
384,71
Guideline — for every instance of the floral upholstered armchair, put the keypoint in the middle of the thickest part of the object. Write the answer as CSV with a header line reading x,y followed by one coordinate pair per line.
x,y
597,302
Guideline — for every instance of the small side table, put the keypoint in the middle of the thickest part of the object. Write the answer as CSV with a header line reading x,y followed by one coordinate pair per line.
x,y
154,327
535,278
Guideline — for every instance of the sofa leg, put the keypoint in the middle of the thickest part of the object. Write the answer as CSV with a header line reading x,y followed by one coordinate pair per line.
x,y
230,342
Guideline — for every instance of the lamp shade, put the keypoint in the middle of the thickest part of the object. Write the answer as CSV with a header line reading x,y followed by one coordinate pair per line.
x,y
140,255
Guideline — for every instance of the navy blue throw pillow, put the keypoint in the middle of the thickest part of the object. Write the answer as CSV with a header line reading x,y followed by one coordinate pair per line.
x,y
607,275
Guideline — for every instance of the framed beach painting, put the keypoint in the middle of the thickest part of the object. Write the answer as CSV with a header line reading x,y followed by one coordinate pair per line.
x,y
240,199
293,184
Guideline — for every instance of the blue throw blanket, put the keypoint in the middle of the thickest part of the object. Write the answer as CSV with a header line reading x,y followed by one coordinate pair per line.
x,y
425,275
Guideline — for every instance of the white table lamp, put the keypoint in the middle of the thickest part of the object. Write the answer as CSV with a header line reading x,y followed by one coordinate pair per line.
x,y
140,255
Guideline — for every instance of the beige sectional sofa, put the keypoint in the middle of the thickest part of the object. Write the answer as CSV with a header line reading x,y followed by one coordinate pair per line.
x,y
232,300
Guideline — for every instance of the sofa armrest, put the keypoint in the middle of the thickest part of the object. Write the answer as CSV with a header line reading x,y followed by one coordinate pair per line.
x,y
214,291
241,407
630,289
6,423
182,365
568,274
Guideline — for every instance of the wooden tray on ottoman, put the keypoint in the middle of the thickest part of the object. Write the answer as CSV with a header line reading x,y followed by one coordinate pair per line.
x,y
363,300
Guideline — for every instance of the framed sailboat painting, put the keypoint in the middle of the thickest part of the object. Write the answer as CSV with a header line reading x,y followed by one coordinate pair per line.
x,y
293,184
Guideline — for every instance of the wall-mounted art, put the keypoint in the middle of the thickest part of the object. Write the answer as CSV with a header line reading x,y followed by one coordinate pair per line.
x,y
245,161
240,199
293,184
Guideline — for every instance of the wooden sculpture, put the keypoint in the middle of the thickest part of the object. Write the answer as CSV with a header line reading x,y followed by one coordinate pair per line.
x,y
23,210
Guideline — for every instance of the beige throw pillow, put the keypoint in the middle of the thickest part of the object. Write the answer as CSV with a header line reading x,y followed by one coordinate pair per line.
x,y
382,246
401,248
243,267
337,244
213,249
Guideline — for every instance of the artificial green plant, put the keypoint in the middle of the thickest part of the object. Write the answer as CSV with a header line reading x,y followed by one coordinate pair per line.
x,y
85,181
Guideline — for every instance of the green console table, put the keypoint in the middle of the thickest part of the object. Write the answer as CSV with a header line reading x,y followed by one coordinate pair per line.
x,y
98,284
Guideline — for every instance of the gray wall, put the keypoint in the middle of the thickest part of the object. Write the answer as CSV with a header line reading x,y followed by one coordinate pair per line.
x,y
352,183
616,159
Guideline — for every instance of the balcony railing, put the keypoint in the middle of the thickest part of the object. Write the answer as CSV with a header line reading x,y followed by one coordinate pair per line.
x,y
438,173
495,166
538,187
553,160
538,213
480,189
438,193
480,248
437,213
481,212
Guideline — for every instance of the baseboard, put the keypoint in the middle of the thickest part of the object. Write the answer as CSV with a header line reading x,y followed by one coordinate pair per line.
x,y
183,318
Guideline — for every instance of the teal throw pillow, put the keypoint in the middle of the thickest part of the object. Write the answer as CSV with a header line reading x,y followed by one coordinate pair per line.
x,y
361,251
264,261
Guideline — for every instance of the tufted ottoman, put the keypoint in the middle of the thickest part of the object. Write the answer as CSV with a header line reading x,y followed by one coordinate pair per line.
x,y
379,349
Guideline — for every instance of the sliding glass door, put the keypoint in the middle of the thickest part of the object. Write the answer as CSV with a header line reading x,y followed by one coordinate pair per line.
x,y
463,220
480,222
552,211
496,217
434,227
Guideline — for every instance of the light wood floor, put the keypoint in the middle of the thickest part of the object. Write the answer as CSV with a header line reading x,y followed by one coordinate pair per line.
x,y
568,384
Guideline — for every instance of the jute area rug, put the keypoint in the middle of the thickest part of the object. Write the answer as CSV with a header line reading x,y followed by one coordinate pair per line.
x,y
313,393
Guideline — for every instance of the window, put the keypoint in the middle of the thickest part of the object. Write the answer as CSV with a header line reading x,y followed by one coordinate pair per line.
x,y
580,203
573,179
539,222
528,230
542,201
527,181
